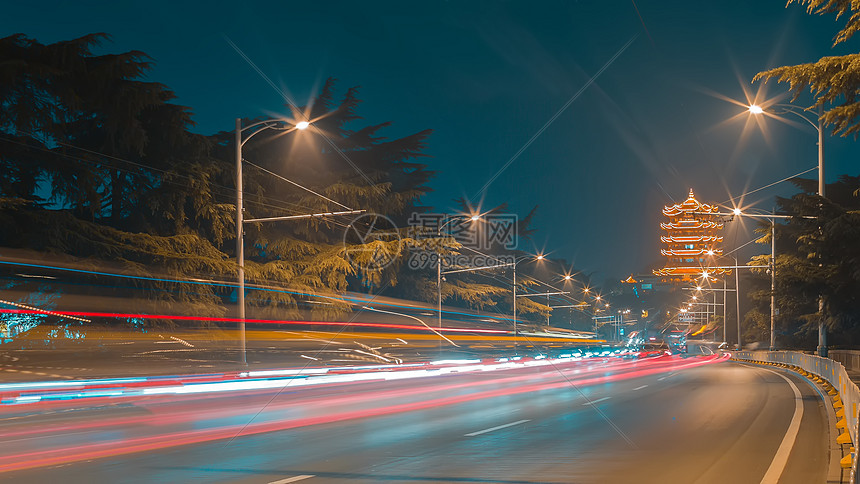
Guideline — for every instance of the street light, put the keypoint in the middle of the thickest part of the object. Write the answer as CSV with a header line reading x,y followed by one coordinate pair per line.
x,y
819,127
253,129
771,265
473,218
771,269
516,263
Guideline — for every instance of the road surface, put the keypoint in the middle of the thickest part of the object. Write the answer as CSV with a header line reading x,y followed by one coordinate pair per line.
x,y
667,419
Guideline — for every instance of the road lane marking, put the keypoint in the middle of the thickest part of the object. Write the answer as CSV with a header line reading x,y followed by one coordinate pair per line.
x,y
639,388
292,479
780,459
497,428
597,401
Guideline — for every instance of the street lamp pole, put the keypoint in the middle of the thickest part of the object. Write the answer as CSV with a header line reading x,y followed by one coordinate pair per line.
x,y
515,301
822,330
724,309
772,284
240,222
439,266
819,126
516,262
738,302
240,240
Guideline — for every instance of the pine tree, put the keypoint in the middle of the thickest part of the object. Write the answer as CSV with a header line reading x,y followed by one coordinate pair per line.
x,y
128,182
818,254
833,81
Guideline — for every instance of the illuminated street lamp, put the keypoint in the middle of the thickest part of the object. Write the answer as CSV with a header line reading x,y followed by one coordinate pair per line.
x,y
473,218
253,129
516,262
819,127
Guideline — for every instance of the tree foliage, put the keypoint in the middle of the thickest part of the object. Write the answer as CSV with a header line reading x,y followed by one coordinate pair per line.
x,y
100,164
818,255
833,81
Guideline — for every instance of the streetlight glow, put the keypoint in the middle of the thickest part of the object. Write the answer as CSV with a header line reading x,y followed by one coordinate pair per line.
x,y
302,125
736,211
475,218
539,257
755,109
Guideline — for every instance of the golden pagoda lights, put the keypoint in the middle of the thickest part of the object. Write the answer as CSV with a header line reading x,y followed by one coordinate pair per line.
x,y
691,241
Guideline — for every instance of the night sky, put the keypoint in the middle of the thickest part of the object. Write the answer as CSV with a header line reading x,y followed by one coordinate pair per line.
x,y
488,75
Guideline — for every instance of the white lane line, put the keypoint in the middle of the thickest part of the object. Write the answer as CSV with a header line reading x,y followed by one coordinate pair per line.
x,y
597,401
496,428
780,459
639,388
662,378
292,479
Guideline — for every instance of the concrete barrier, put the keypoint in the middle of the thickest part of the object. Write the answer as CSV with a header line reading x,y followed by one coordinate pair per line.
x,y
846,399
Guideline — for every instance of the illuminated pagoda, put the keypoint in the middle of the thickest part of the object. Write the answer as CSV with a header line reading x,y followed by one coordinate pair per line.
x,y
691,241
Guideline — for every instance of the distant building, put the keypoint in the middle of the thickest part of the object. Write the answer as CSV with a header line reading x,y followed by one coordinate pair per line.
x,y
692,241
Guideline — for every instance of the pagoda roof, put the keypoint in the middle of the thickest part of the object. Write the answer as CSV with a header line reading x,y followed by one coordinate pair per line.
x,y
689,270
688,206
688,239
690,225
690,252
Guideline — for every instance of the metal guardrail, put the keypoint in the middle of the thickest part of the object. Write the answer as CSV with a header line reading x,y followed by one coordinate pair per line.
x,y
828,369
850,359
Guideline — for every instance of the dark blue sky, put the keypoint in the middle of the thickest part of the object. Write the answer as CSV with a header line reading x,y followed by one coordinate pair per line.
x,y
487,75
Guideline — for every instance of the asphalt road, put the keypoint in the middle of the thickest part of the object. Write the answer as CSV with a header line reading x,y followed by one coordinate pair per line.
x,y
666,420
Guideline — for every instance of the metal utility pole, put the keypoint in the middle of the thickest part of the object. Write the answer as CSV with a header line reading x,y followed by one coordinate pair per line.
x,y
240,241
822,330
738,302
724,309
772,284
